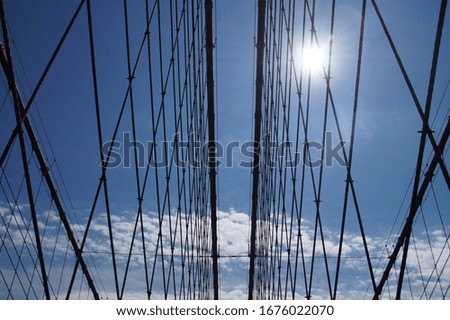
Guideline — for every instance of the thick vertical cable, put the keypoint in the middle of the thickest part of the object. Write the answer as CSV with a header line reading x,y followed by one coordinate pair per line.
x,y
260,45
212,141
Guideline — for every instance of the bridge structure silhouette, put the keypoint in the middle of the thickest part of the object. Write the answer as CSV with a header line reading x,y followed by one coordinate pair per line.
x,y
169,245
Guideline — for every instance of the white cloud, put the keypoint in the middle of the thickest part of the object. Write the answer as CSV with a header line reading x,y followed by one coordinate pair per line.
x,y
427,262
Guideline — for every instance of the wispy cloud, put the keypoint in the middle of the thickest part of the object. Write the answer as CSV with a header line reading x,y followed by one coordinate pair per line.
x,y
174,246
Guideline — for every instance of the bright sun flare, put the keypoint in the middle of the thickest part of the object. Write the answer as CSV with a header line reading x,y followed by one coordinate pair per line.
x,y
312,59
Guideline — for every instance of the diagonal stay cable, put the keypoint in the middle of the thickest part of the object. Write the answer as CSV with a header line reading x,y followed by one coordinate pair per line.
x,y
417,104
344,153
114,135
349,179
52,187
425,127
103,177
41,80
139,218
318,227
25,245
19,115
408,224
299,204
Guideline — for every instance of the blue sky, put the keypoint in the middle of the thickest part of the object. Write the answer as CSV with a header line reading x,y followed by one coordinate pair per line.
x,y
386,135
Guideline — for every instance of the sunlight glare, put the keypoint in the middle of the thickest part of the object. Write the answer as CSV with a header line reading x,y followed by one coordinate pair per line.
x,y
313,59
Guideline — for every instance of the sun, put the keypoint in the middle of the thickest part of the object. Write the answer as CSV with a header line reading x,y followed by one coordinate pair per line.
x,y
313,59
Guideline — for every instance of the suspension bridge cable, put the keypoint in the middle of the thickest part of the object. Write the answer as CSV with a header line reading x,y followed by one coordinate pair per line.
x,y
41,79
420,156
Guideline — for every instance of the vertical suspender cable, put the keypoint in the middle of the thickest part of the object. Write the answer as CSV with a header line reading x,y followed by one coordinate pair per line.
x,y
257,139
211,141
